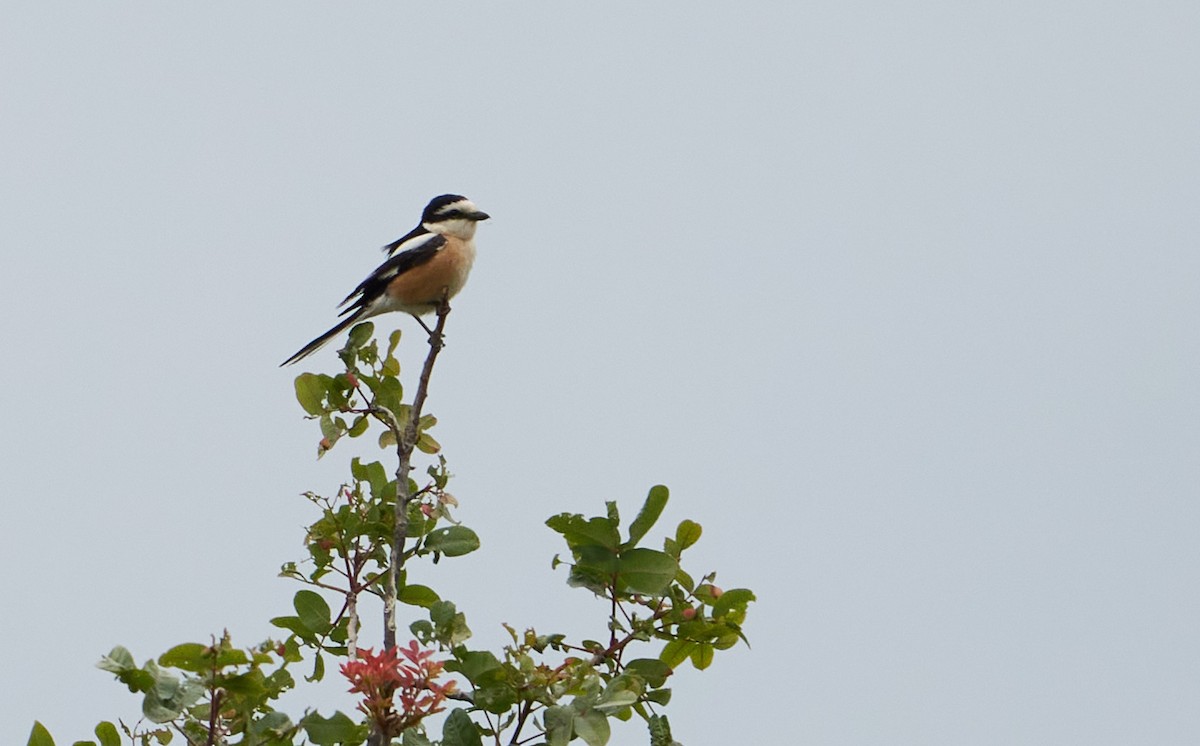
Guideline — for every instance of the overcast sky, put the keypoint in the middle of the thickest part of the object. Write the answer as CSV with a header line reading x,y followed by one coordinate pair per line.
x,y
900,299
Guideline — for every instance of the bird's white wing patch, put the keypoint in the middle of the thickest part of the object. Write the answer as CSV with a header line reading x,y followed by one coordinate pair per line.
x,y
415,242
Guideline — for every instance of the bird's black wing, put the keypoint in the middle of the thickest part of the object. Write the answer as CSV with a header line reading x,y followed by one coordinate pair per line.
x,y
372,287
418,231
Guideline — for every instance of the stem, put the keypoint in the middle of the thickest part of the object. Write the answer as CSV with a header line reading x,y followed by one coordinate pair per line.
x,y
405,442
214,708
487,716
352,627
612,615
522,714
617,647
353,567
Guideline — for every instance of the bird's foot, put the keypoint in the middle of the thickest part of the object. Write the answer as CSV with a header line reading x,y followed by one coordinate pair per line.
x,y
435,339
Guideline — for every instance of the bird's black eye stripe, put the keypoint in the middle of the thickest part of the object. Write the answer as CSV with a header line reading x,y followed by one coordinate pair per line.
x,y
440,208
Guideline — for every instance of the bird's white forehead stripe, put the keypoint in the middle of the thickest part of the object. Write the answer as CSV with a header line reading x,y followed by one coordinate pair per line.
x,y
465,205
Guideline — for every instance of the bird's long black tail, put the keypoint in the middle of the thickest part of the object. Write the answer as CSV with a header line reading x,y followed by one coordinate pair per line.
x,y
320,341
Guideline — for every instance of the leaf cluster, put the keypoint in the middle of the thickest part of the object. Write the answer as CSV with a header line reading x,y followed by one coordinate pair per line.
x,y
542,688
369,388
695,619
193,686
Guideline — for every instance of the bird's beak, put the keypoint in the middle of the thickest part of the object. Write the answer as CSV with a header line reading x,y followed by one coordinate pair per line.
x,y
479,216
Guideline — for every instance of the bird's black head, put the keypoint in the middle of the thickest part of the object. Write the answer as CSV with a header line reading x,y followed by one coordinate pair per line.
x,y
451,207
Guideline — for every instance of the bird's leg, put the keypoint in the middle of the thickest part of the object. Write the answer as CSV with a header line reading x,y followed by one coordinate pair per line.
x,y
436,338
423,324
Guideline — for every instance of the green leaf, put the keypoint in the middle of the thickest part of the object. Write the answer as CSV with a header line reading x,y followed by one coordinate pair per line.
x,y
623,691
190,656
291,650
653,670
659,696
646,518
389,394
294,625
687,534
427,444
458,730
361,423
118,659
558,721
418,595
593,728
450,624
594,568
372,473
120,662
702,656
660,731
272,729
422,630
360,335
169,696
676,652
84,743
318,668
497,698
477,665
734,598
412,738
646,571
329,428
108,734
197,658
39,736
454,541
393,342
310,391
580,531
334,730
313,610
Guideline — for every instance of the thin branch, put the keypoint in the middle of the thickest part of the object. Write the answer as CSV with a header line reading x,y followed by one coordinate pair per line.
x,y
353,568
178,729
406,440
214,709
522,714
617,647
491,726
612,615
352,627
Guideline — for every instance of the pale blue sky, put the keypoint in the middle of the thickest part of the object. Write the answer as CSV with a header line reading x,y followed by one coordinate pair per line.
x,y
899,299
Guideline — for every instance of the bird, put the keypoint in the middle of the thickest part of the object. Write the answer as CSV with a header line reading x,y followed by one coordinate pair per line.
x,y
425,266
